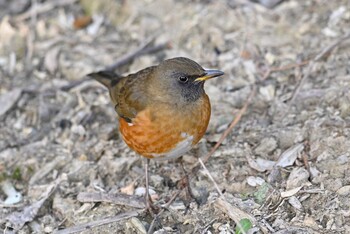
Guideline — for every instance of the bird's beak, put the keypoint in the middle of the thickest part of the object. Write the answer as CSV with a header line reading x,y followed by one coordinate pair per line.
x,y
209,74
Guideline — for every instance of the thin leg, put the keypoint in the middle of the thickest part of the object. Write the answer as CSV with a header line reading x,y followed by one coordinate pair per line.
x,y
147,196
148,201
184,183
189,192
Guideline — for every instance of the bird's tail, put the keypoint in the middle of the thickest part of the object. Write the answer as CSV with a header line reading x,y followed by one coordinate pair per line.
x,y
107,78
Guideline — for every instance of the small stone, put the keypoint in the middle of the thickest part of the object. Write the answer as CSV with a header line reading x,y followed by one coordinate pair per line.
x,y
216,225
310,222
157,180
343,159
48,229
78,129
137,224
255,181
293,200
140,191
266,146
267,92
270,58
344,191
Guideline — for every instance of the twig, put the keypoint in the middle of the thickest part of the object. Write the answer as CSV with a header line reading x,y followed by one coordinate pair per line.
x,y
165,206
283,68
119,199
318,57
205,229
42,8
210,177
89,225
141,50
232,125
234,122
332,46
234,212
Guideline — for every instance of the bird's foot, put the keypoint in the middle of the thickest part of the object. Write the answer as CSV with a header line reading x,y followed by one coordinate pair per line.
x,y
151,208
188,197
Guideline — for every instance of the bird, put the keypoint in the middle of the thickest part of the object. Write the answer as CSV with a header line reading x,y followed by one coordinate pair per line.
x,y
163,110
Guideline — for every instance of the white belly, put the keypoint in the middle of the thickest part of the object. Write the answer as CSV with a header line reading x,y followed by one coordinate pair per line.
x,y
180,149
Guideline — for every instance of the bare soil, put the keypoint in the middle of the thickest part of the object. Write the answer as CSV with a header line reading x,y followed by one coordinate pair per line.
x,y
285,165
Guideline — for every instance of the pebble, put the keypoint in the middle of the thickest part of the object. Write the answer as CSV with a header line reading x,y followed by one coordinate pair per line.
x,y
344,191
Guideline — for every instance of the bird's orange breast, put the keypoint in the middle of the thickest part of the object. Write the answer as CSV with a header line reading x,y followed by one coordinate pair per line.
x,y
163,131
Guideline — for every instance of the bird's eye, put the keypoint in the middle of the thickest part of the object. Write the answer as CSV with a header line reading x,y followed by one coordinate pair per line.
x,y
183,79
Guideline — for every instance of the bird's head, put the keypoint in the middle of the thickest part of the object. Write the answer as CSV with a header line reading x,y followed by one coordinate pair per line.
x,y
181,79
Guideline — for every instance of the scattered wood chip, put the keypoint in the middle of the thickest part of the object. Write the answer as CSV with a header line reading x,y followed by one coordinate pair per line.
x,y
233,212
291,192
51,59
294,201
89,225
9,99
259,164
298,177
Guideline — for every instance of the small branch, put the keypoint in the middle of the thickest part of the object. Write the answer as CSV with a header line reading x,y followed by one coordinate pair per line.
x,y
234,122
234,212
90,225
143,49
232,125
318,57
283,68
332,46
211,178
165,207
119,199
42,8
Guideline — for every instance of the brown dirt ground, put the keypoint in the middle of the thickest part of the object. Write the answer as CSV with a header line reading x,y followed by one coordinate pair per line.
x,y
58,143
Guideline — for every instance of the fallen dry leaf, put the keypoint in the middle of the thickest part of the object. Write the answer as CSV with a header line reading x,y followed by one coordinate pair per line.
x,y
9,99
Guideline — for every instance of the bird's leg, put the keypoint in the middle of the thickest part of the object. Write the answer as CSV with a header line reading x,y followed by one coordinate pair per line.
x,y
148,201
185,183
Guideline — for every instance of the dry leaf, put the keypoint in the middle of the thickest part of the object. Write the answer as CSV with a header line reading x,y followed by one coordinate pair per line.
x,y
290,155
129,189
51,59
298,177
293,200
7,32
259,164
9,99
82,22
291,192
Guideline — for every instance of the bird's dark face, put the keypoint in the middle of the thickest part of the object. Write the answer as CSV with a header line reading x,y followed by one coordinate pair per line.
x,y
183,79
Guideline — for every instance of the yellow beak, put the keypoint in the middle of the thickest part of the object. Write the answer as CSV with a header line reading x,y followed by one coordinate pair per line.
x,y
209,74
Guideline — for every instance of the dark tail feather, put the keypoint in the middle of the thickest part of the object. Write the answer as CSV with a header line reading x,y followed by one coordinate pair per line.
x,y
106,78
